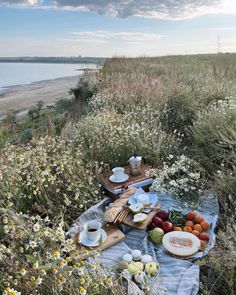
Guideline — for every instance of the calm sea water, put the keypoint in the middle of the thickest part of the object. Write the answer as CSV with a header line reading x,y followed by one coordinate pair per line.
x,y
25,73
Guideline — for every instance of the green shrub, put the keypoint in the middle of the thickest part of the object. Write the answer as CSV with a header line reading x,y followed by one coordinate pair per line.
x,y
112,138
47,177
213,139
40,259
26,136
178,113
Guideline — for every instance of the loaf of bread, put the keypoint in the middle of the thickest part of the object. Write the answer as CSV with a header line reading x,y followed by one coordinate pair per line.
x,y
115,208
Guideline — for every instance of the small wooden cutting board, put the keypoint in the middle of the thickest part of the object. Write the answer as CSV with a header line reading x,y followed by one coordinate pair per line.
x,y
114,236
143,225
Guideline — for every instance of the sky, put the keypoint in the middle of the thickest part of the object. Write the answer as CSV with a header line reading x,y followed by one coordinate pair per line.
x,y
116,28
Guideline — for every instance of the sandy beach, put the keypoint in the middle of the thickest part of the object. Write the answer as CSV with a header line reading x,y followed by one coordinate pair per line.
x,y
22,97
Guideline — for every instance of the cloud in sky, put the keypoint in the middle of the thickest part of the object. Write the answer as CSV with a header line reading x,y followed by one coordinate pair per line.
x,y
108,36
19,2
149,8
160,9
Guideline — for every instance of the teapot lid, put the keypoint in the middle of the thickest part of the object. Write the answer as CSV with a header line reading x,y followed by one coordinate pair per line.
x,y
135,158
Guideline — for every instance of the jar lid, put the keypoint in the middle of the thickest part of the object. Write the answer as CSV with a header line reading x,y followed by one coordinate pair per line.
x,y
135,159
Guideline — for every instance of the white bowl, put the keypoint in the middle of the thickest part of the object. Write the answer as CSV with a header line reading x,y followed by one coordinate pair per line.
x,y
143,198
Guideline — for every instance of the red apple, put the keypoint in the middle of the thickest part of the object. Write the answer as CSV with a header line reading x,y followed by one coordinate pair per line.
x,y
158,221
204,237
163,215
167,226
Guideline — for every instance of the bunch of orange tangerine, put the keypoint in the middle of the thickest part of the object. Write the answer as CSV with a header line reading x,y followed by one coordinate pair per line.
x,y
196,225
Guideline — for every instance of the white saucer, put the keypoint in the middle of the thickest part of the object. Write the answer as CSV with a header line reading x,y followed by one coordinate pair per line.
x,y
83,239
123,179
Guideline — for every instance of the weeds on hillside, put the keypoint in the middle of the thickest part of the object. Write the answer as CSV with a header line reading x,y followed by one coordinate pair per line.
x,y
47,177
153,107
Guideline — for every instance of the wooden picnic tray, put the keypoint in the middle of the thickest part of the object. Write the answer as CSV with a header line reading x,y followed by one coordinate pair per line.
x,y
129,220
104,178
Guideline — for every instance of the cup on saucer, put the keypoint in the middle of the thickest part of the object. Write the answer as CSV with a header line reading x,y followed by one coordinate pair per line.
x,y
93,230
118,173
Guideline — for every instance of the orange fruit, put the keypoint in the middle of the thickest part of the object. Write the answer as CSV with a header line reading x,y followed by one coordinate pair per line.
x,y
197,227
204,224
198,219
177,228
188,229
191,215
189,223
196,233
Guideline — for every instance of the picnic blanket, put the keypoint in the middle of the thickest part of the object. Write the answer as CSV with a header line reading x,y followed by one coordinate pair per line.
x,y
177,276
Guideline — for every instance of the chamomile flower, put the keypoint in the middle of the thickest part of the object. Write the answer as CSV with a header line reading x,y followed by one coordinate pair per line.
x,y
36,227
38,281
109,282
82,281
23,271
56,254
82,291
9,291
35,265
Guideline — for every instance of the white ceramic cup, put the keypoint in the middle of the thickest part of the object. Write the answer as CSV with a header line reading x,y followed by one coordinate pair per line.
x,y
93,229
118,172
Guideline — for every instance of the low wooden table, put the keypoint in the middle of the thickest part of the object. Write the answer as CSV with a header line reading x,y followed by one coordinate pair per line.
x,y
111,187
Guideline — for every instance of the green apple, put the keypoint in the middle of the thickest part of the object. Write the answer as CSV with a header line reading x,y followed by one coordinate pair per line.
x,y
151,268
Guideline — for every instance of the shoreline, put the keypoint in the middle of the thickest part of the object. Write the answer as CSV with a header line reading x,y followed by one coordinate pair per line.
x,y
21,98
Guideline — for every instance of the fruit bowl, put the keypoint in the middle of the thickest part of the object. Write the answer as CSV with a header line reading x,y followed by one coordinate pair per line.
x,y
142,270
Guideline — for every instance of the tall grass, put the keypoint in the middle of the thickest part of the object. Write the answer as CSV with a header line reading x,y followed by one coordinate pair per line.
x,y
160,108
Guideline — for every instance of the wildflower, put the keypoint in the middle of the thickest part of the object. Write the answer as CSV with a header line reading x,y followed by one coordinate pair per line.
x,y
23,271
55,271
80,271
36,227
9,291
5,220
82,281
56,255
33,244
43,272
38,281
82,291
109,282
63,263
36,265
173,182
21,250
32,278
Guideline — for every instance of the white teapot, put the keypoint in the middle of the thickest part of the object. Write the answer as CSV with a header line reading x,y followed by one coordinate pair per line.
x,y
135,165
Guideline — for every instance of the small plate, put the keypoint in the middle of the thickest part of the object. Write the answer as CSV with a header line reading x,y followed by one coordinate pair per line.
x,y
113,179
153,198
86,242
173,242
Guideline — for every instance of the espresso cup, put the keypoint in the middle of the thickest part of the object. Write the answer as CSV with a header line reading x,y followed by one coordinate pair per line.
x,y
118,172
93,230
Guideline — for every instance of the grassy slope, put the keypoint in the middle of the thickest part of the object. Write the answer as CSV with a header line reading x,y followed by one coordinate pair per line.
x,y
153,106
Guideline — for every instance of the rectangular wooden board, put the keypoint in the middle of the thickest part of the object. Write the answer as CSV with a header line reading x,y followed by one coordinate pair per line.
x,y
104,178
143,225
114,236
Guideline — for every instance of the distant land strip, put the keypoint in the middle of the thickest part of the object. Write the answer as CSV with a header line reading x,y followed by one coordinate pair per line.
x,y
56,59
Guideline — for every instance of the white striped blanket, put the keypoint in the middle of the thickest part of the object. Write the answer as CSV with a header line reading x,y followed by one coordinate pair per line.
x,y
177,276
